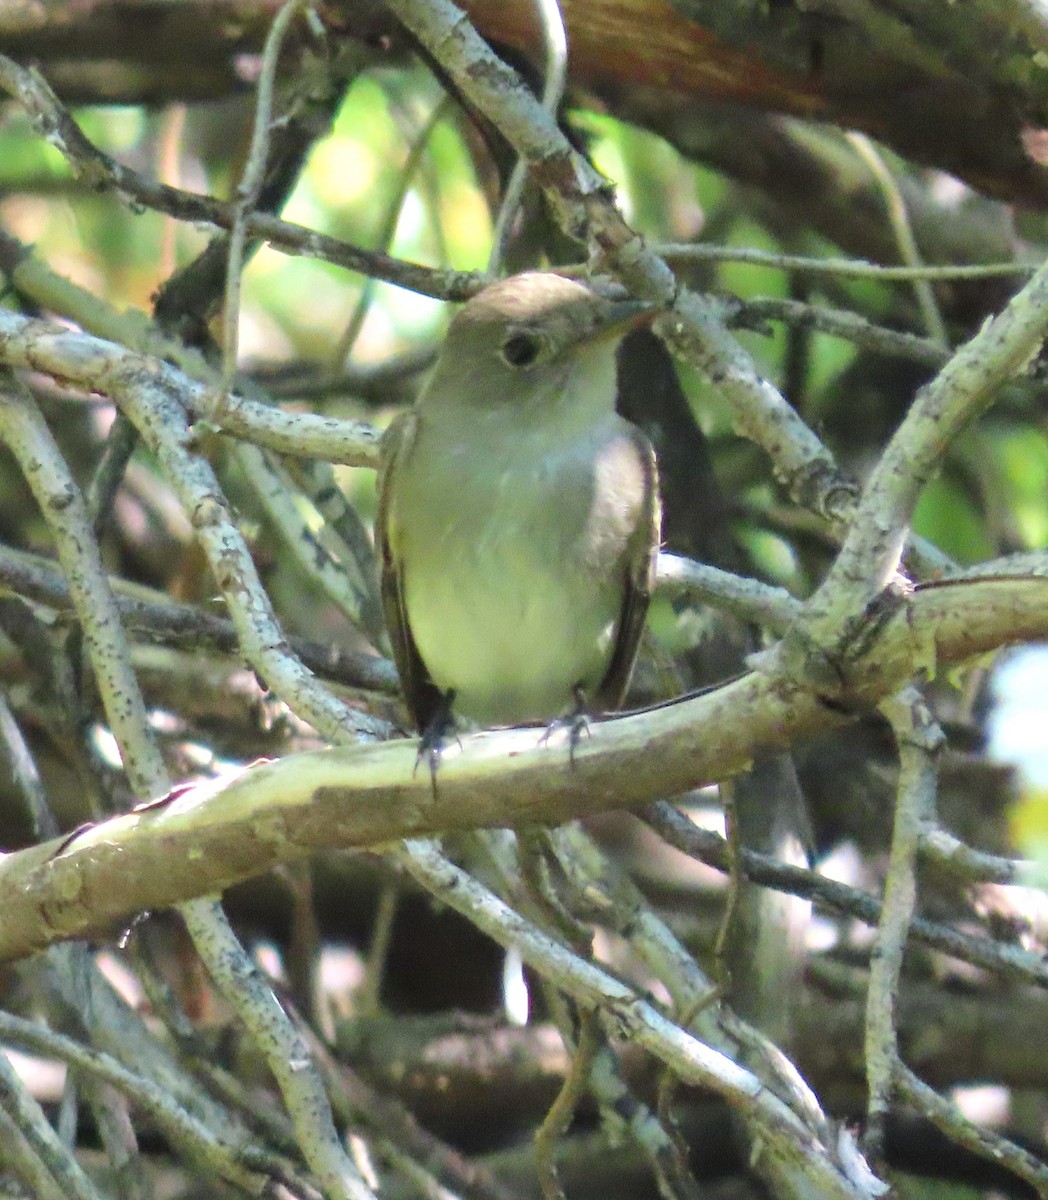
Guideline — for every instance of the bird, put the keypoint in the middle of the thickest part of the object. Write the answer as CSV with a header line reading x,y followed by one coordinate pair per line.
x,y
518,518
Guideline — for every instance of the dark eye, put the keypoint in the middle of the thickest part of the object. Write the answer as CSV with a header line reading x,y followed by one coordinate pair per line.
x,y
521,349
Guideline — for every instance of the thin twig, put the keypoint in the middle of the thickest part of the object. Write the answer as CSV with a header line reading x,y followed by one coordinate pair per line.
x,y
344,534
53,122
711,848
946,1117
907,243
844,268
109,472
562,1111
388,229
369,996
236,1164
788,1151
340,581
248,190
282,1045
151,616
859,330
749,599
943,850
55,349
918,738
22,768
555,46
42,1141
23,430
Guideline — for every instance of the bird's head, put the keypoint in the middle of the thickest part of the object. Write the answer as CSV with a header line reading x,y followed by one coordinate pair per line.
x,y
521,341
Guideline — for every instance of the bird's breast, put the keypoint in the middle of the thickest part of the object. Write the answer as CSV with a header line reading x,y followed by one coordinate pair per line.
x,y
513,572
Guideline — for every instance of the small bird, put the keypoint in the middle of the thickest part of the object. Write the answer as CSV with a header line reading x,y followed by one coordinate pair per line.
x,y
518,519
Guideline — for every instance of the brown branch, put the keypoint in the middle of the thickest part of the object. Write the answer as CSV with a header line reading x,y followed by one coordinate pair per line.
x,y
951,88
219,832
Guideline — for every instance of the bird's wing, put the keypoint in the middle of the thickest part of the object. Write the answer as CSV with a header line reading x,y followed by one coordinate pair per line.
x,y
423,697
639,561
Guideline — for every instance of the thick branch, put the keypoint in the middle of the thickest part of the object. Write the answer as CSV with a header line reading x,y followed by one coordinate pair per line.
x,y
951,87
219,833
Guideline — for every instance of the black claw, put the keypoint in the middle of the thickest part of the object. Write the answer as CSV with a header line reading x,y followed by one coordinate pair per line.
x,y
577,722
435,736
579,725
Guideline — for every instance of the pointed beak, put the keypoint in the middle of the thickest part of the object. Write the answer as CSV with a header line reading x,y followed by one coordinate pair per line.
x,y
619,317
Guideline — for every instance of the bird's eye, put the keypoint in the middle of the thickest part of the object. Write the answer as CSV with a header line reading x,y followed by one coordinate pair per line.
x,y
521,349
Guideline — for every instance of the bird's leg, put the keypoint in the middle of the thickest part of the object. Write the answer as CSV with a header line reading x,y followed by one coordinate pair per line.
x,y
577,722
434,736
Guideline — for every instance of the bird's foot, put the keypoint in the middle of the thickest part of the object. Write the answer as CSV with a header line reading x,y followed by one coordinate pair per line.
x,y
435,736
577,723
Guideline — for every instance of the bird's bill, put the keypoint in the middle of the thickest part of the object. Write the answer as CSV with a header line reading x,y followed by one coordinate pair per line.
x,y
620,317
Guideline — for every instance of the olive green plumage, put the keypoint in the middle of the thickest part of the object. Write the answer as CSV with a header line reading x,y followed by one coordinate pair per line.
x,y
518,519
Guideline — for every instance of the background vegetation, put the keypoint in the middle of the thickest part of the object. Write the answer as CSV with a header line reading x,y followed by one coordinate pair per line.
x,y
689,977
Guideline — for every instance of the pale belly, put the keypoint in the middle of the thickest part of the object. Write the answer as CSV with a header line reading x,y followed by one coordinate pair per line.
x,y
513,576
512,626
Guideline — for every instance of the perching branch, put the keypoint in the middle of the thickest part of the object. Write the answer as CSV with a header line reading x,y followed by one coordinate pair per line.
x,y
367,796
